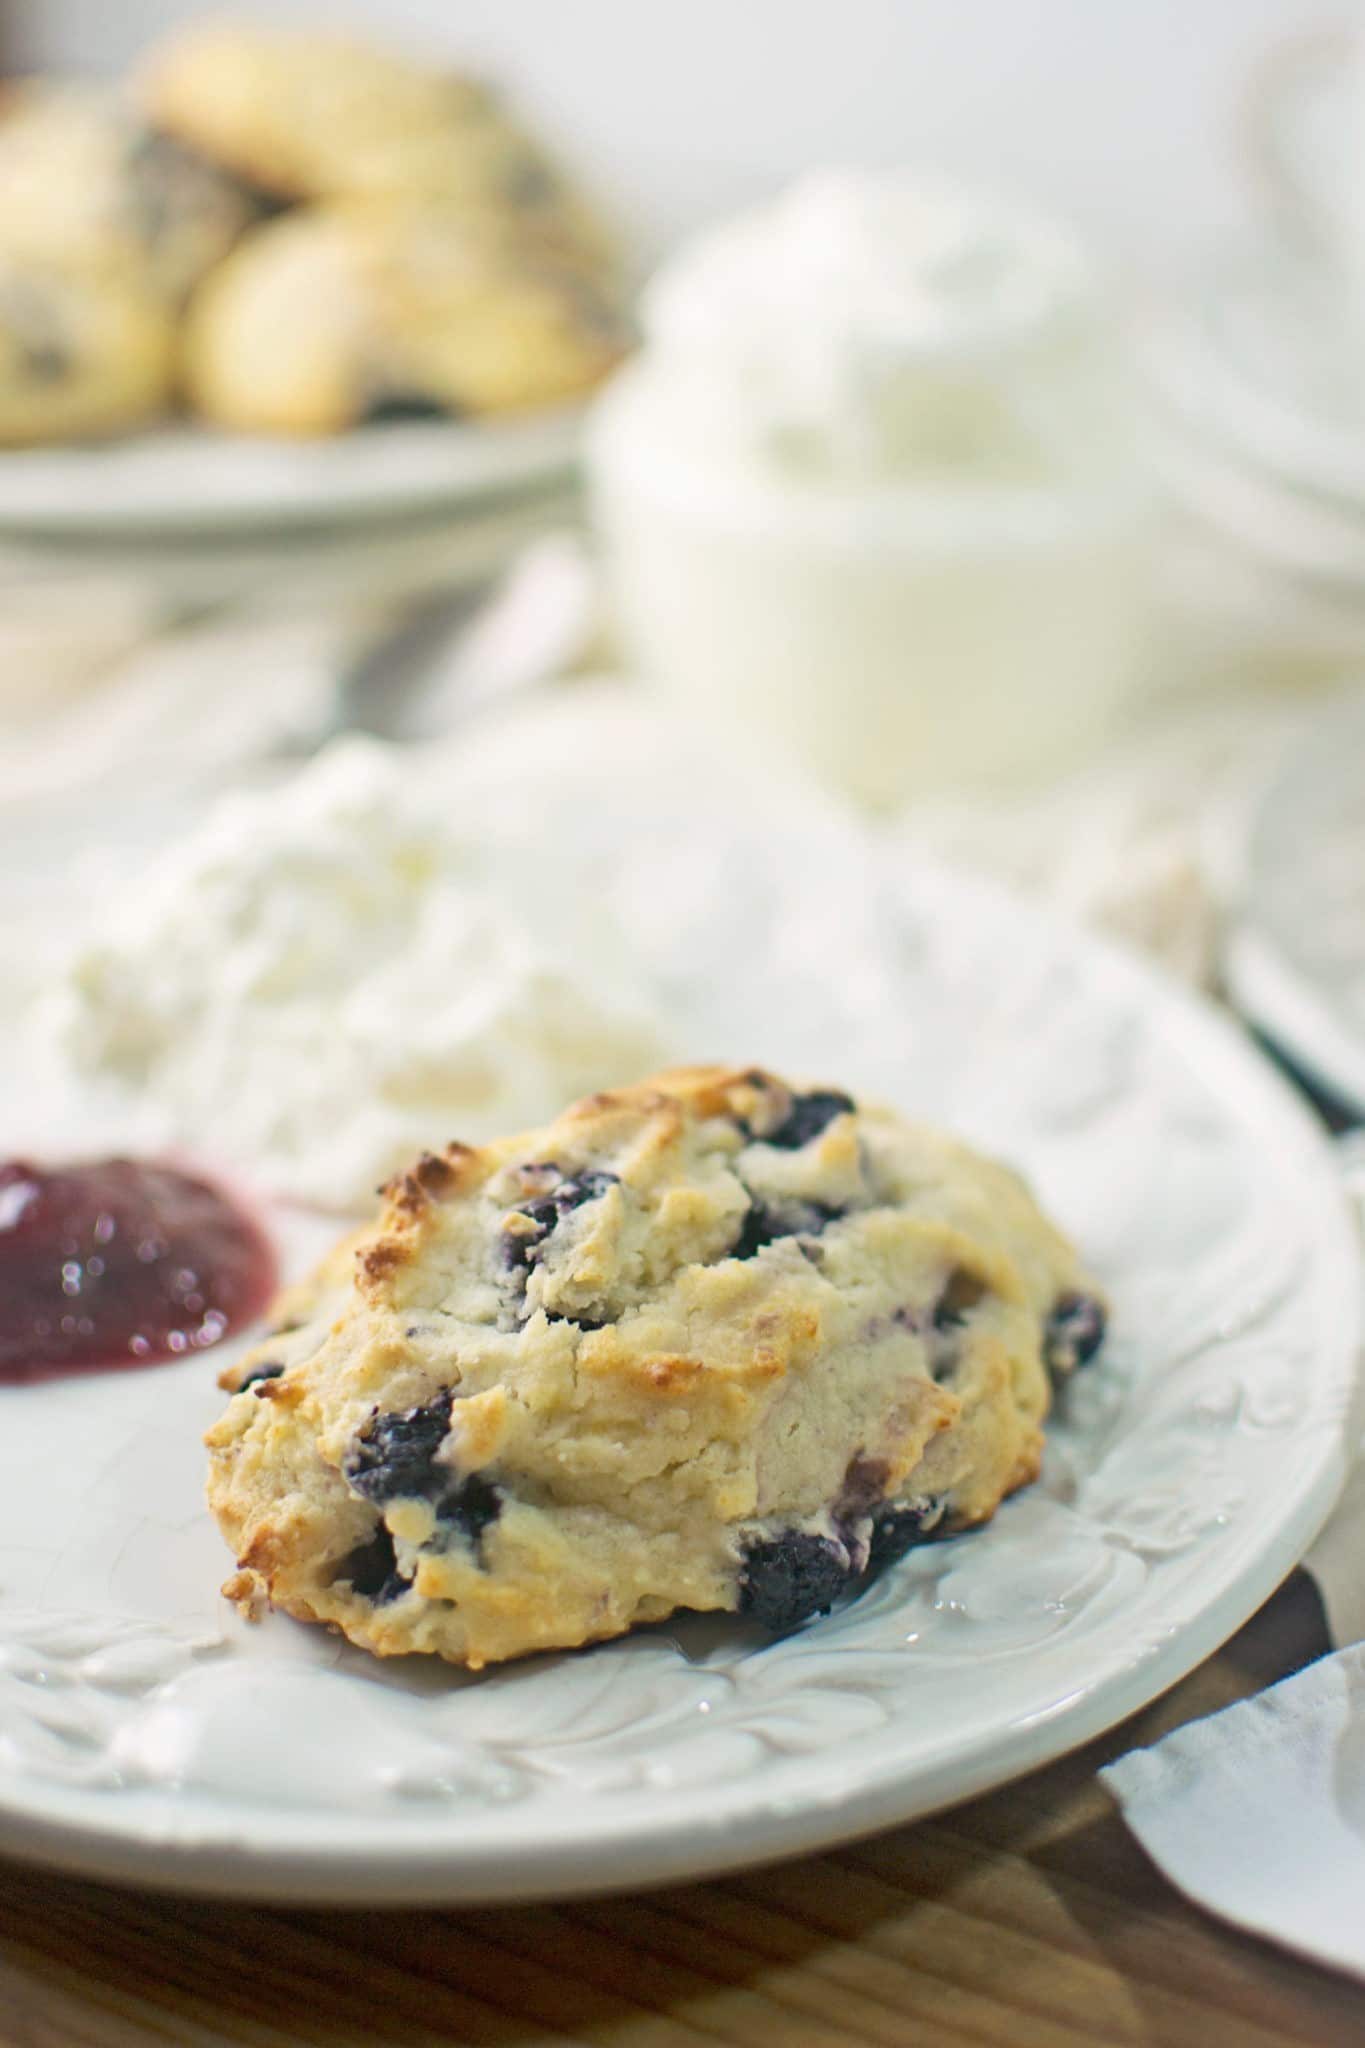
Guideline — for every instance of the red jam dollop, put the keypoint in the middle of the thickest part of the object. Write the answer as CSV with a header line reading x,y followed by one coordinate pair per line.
x,y
121,1263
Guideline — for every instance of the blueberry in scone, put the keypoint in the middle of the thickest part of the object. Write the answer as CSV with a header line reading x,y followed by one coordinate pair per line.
x,y
1073,1334
711,1342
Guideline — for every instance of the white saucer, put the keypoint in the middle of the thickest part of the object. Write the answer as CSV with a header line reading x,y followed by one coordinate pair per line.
x,y
147,1735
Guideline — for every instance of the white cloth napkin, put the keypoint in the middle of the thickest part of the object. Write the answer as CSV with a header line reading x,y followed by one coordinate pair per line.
x,y
1258,1813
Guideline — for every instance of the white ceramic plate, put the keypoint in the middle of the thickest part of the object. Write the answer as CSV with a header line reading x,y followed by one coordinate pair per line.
x,y
1296,962
189,478
146,1734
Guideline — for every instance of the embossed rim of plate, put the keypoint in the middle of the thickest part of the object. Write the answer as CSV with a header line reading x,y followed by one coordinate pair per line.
x,y
187,478
300,1858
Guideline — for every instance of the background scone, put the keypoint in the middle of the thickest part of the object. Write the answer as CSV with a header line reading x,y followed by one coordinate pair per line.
x,y
282,338
486,319
80,178
336,314
305,116
704,1343
331,232
84,351
303,113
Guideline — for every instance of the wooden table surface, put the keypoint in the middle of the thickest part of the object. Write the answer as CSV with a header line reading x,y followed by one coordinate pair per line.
x,y
1028,1917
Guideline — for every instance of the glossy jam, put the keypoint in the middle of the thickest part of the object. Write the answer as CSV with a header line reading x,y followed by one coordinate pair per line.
x,y
121,1263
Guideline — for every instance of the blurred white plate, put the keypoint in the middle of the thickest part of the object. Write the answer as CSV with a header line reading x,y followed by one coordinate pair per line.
x,y
1296,961
1299,134
188,478
1260,359
147,1735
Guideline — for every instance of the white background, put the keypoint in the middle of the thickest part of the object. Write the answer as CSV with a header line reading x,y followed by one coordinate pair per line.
x,y
1118,111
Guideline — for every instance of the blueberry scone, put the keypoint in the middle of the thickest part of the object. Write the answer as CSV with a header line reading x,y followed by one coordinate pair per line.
x,y
83,351
81,177
295,111
334,315
706,1343
304,115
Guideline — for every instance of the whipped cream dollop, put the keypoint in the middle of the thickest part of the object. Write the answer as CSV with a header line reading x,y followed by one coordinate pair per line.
x,y
867,321
328,977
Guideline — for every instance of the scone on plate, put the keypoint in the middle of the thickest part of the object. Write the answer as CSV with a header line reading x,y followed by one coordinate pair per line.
x,y
711,1342
305,115
83,180
335,233
282,338
299,113
330,316
489,319
84,351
